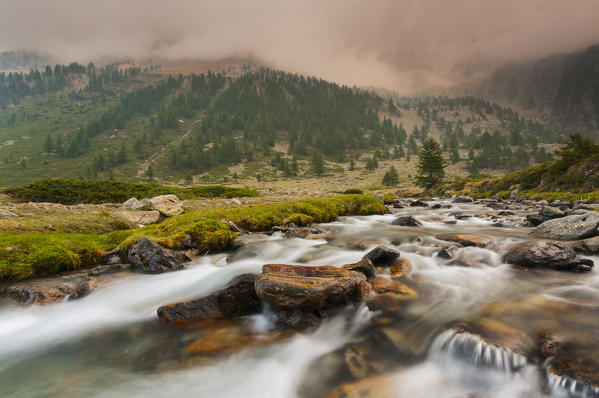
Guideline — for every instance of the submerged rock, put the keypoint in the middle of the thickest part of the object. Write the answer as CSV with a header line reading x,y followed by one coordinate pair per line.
x,y
303,287
381,256
550,254
148,256
570,227
465,240
238,298
167,205
406,221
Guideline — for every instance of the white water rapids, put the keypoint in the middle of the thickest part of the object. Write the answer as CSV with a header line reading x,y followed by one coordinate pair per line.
x,y
102,345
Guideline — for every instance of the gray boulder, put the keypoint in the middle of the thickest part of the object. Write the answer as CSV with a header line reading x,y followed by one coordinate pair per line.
x,y
167,205
547,254
590,245
463,199
149,257
406,221
139,217
549,212
7,214
570,227
132,204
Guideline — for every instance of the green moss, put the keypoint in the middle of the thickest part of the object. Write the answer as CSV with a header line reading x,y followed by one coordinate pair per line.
x,y
388,199
301,220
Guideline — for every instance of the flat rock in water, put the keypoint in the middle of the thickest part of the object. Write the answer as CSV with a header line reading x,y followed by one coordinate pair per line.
x,y
132,204
167,205
139,217
303,287
238,298
406,221
246,239
465,240
148,256
570,227
551,212
547,254
463,199
381,256
36,294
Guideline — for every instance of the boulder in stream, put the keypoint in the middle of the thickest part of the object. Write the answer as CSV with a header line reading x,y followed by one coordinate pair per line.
x,y
149,257
381,256
238,298
465,240
590,245
407,221
570,227
34,294
547,254
292,287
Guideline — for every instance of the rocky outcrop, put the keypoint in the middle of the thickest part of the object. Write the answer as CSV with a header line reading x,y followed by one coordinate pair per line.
x,y
465,240
149,257
167,205
139,217
295,287
381,256
570,227
238,298
407,221
132,204
550,254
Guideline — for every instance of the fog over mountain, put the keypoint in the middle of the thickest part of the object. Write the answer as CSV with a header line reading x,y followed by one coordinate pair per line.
x,y
397,44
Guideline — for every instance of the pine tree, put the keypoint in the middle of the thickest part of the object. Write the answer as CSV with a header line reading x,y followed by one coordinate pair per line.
x,y
317,163
431,165
391,178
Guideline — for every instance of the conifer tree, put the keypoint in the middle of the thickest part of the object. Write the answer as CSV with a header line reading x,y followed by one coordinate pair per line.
x,y
391,178
431,165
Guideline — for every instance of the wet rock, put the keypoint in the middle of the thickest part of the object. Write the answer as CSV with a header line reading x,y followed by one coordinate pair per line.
x,y
238,298
301,233
363,291
465,240
589,246
139,217
535,220
364,266
132,204
363,244
407,221
109,269
400,268
463,199
570,227
448,252
385,285
436,206
549,212
372,387
244,240
550,254
418,203
167,205
304,287
381,256
392,299
84,287
462,216
7,214
299,319
29,295
149,257
505,213
111,257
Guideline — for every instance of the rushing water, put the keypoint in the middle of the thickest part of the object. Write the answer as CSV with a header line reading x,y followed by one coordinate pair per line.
x,y
110,343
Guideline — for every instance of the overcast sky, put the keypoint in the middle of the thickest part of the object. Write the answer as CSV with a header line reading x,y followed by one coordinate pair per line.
x,y
396,44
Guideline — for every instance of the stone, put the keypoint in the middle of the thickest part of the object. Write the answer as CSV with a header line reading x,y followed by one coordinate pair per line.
x,y
300,319
7,214
292,287
109,269
84,287
244,240
167,205
381,256
407,221
549,212
149,257
139,217
400,268
589,246
372,387
364,266
463,199
418,203
465,240
132,204
535,220
549,254
448,252
238,298
33,294
570,227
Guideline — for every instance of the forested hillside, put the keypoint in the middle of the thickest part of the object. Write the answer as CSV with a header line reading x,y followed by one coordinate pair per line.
x,y
138,124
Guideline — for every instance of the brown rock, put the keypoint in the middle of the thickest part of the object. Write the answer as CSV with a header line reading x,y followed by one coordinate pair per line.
x,y
381,256
239,298
363,291
85,287
36,294
363,266
373,387
401,268
304,287
466,240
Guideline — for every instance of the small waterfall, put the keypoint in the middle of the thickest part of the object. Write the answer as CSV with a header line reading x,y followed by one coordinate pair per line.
x,y
563,384
475,352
